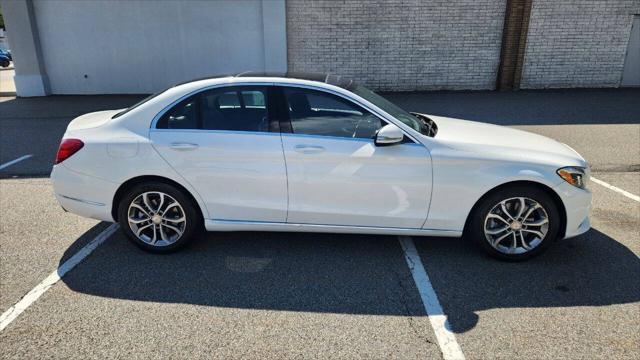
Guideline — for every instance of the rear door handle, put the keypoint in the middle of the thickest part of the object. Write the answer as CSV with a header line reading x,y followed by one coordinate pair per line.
x,y
183,146
308,149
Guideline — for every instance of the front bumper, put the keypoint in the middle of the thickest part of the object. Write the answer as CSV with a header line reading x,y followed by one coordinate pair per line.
x,y
577,203
82,194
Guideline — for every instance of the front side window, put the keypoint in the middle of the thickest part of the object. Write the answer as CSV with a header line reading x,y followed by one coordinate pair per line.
x,y
394,110
236,108
313,112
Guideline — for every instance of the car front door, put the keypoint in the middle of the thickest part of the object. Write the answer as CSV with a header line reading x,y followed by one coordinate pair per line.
x,y
336,173
223,142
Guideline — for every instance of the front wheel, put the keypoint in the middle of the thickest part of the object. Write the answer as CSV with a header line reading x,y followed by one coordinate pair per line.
x,y
515,223
158,217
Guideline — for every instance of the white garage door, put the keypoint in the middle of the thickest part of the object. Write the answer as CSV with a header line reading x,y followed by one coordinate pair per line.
x,y
98,47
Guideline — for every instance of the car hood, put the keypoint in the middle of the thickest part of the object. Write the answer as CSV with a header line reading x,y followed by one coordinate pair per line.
x,y
502,141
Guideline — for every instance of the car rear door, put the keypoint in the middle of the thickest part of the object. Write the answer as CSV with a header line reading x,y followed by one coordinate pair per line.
x,y
223,142
338,176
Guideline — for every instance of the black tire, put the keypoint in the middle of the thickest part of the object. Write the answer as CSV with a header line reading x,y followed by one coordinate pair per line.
x,y
194,221
475,230
5,64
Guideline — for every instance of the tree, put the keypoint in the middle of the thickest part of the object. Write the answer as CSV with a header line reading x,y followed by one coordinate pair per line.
x,y
1,20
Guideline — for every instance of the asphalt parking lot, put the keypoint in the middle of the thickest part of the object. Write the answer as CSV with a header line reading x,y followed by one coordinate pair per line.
x,y
281,295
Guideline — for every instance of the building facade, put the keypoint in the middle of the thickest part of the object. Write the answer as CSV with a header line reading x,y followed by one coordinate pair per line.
x,y
98,47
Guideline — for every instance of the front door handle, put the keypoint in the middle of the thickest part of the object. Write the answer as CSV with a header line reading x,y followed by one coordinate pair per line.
x,y
308,149
183,146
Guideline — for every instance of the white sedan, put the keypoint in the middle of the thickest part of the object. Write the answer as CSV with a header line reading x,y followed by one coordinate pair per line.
x,y
315,153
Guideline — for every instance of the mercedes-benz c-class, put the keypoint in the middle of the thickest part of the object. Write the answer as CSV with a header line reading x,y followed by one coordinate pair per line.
x,y
315,153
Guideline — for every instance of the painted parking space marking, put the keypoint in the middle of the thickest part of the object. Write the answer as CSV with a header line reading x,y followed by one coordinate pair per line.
x,y
7,164
446,339
616,189
13,312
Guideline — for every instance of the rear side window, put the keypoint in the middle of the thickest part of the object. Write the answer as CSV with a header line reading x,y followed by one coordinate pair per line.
x,y
182,116
228,108
227,100
254,99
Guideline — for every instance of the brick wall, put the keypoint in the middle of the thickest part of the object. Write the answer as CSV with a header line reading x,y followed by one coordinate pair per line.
x,y
577,43
398,44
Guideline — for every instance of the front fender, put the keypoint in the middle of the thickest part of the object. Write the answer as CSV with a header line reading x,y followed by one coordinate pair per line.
x,y
459,183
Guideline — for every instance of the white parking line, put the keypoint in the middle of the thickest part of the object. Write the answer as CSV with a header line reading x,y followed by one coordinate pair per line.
x,y
7,164
8,316
616,189
446,339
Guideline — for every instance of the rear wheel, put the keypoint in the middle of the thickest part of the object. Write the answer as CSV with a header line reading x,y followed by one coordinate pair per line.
x,y
515,223
158,217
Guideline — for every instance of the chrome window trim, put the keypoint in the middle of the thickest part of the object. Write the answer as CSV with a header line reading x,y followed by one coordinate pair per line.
x,y
331,137
213,131
195,92
381,115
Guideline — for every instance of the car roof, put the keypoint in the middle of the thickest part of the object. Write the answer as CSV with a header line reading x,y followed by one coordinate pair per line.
x,y
326,78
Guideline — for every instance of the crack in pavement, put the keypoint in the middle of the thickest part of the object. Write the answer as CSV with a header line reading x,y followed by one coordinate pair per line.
x,y
402,296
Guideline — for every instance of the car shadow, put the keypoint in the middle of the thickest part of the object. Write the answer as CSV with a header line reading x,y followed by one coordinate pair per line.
x,y
589,270
358,274
327,273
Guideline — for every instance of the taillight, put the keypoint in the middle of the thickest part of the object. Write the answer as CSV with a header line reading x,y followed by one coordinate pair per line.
x,y
67,148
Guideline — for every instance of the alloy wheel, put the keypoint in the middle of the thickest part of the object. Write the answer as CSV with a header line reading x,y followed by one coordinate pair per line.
x,y
516,225
156,218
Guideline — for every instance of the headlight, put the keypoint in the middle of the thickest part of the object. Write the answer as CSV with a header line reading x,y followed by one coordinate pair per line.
x,y
574,175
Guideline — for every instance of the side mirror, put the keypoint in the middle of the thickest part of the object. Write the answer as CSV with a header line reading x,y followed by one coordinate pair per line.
x,y
389,135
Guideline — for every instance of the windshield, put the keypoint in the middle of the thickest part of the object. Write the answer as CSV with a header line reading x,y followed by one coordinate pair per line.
x,y
390,108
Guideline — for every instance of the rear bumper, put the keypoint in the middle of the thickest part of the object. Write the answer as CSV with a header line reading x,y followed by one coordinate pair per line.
x,y
82,194
577,203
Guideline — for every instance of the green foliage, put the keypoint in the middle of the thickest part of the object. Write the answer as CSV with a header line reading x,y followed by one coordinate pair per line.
x,y
1,19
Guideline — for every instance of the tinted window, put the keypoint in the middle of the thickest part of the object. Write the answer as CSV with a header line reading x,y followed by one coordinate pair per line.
x,y
253,99
228,108
318,113
239,109
226,100
182,116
